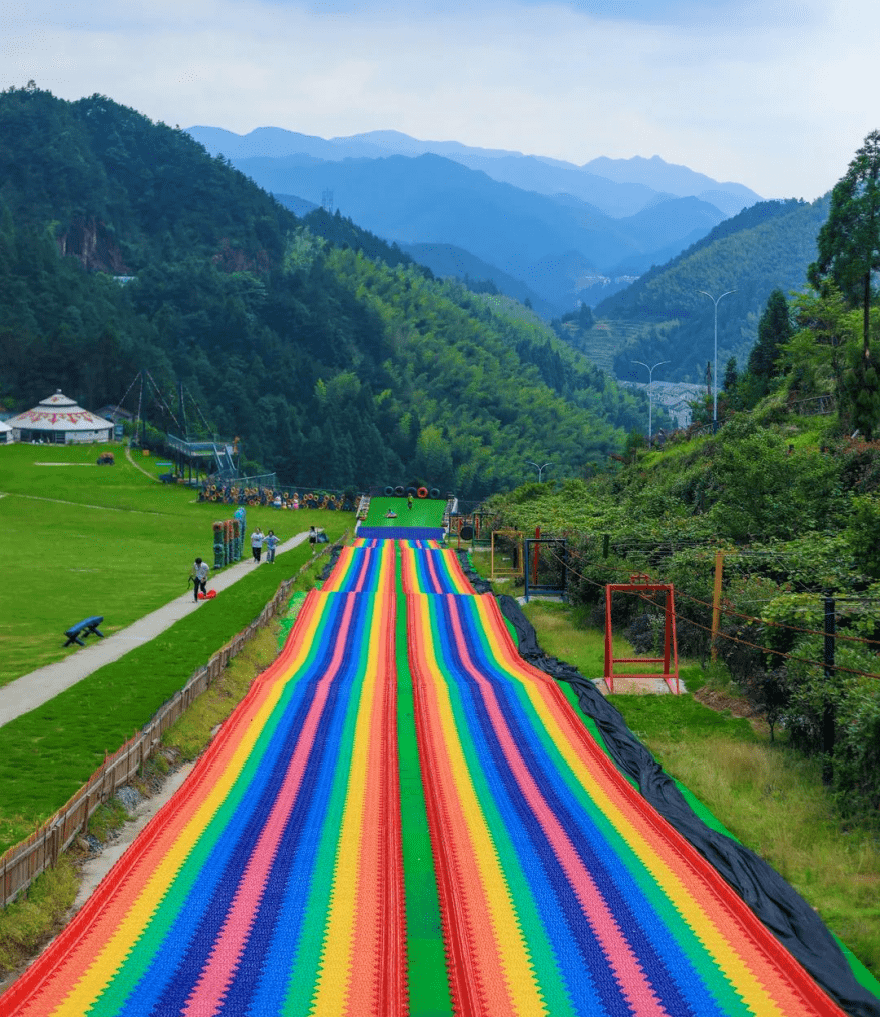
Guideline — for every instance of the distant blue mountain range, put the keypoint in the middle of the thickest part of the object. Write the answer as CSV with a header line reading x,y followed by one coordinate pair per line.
x,y
566,233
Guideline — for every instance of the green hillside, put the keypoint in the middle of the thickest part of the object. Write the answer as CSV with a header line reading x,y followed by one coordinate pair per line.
x,y
665,316
125,247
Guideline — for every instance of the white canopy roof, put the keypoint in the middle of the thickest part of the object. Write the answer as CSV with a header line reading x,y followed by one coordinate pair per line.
x,y
59,413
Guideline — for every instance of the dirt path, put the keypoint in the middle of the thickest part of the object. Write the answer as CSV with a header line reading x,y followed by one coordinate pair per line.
x,y
146,473
96,866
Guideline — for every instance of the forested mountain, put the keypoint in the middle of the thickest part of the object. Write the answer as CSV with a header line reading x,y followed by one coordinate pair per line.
x,y
433,200
570,235
446,260
665,316
618,187
124,247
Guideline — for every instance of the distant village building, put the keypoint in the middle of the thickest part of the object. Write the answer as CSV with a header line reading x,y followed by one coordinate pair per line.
x,y
59,421
7,435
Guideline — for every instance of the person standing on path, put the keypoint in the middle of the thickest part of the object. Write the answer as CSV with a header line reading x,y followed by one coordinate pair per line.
x,y
257,539
199,577
271,543
313,536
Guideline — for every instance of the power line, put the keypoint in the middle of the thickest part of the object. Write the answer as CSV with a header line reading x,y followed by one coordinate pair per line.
x,y
723,635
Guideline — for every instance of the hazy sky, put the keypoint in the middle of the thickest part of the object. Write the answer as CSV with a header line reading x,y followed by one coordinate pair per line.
x,y
776,95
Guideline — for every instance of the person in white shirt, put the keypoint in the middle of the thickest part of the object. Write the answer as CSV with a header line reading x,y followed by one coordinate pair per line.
x,y
199,577
271,543
257,538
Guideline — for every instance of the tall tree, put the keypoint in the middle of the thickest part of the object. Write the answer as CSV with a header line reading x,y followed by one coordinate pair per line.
x,y
731,375
849,242
774,331
849,252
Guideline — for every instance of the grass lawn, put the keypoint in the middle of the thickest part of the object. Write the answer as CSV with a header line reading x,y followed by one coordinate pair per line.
x,y
83,540
49,753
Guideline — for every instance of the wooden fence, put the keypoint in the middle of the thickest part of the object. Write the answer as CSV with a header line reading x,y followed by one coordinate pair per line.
x,y
21,864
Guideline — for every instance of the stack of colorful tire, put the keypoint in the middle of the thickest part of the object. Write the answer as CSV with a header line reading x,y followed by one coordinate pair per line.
x,y
218,545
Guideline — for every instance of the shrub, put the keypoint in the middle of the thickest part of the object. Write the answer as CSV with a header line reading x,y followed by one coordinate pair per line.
x,y
863,533
762,489
767,691
789,612
857,751
851,702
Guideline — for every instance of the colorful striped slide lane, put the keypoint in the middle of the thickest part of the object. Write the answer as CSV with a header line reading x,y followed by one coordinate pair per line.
x,y
561,891
366,569
433,571
272,882
423,569
426,545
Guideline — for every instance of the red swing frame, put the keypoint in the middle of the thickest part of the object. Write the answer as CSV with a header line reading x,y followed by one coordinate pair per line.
x,y
641,583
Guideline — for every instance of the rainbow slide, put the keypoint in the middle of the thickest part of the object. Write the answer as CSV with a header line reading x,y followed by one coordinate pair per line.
x,y
403,817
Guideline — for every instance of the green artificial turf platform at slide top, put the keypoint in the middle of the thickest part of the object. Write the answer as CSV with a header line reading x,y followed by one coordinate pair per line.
x,y
424,512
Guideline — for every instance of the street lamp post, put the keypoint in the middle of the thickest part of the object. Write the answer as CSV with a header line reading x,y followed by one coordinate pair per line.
x,y
540,469
650,371
715,374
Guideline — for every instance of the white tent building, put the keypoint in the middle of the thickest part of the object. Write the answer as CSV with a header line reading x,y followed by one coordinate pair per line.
x,y
59,421
7,435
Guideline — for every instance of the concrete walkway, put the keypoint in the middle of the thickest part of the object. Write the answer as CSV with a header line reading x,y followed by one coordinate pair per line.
x,y
32,690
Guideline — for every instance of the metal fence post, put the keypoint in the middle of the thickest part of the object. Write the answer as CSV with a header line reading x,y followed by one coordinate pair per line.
x,y
828,733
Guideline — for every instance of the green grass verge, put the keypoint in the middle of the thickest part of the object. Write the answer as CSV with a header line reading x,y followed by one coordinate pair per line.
x,y
29,922
52,751
83,540
191,733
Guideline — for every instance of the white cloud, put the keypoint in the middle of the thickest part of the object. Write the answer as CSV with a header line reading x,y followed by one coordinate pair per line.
x,y
777,97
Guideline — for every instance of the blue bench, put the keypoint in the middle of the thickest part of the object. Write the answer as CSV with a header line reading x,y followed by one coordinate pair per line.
x,y
76,633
